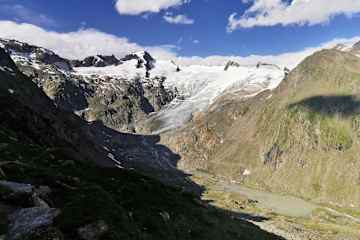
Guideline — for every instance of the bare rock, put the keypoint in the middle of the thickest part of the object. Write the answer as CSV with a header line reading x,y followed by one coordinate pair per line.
x,y
27,221
93,231
18,192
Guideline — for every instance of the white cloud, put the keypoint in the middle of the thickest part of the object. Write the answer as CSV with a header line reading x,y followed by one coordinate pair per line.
x,y
21,13
299,12
86,42
196,41
136,7
178,19
81,43
289,59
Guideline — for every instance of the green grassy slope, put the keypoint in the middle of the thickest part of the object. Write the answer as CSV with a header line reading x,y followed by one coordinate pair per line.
x,y
303,138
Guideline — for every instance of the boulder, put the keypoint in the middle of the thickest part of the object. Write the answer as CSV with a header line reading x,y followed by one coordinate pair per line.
x,y
27,221
18,192
93,231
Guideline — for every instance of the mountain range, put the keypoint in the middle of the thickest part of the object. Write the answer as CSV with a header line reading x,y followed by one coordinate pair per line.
x,y
128,134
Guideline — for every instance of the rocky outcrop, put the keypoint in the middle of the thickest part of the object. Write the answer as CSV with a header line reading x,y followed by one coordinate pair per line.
x,y
93,231
96,61
144,59
26,222
356,46
28,215
15,192
231,64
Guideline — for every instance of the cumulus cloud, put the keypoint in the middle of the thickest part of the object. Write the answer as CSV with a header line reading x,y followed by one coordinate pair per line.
x,y
81,43
136,7
298,12
178,19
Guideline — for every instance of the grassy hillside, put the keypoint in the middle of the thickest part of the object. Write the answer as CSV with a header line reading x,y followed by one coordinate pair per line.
x,y
302,139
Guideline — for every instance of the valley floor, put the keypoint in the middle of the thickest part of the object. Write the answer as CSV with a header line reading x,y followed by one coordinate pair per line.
x,y
287,216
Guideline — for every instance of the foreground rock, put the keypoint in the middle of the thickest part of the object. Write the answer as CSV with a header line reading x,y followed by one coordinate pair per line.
x,y
25,222
15,192
93,231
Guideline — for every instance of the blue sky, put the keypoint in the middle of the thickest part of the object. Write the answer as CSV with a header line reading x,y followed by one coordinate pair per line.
x,y
208,34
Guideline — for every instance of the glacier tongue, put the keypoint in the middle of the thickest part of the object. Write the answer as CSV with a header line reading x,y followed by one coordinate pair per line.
x,y
200,87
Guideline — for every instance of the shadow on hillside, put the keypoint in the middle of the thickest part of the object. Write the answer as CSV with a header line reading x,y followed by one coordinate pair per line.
x,y
142,153
344,106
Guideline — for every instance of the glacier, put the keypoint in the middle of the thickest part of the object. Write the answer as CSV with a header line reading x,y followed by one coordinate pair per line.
x,y
198,87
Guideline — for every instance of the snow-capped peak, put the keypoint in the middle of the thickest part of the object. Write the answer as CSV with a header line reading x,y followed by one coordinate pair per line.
x,y
143,58
24,52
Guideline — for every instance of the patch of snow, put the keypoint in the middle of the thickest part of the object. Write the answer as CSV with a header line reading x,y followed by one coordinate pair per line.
x,y
344,47
98,59
7,69
246,172
112,157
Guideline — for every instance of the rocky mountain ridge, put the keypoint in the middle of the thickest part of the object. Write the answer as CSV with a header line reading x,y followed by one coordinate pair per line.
x,y
127,93
116,101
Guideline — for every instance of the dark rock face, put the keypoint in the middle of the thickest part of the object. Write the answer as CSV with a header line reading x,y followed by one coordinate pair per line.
x,y
273,156
16,192
231,64
263,64
6,61
93,231
129,103
96,61
25,222
143,58
356,46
